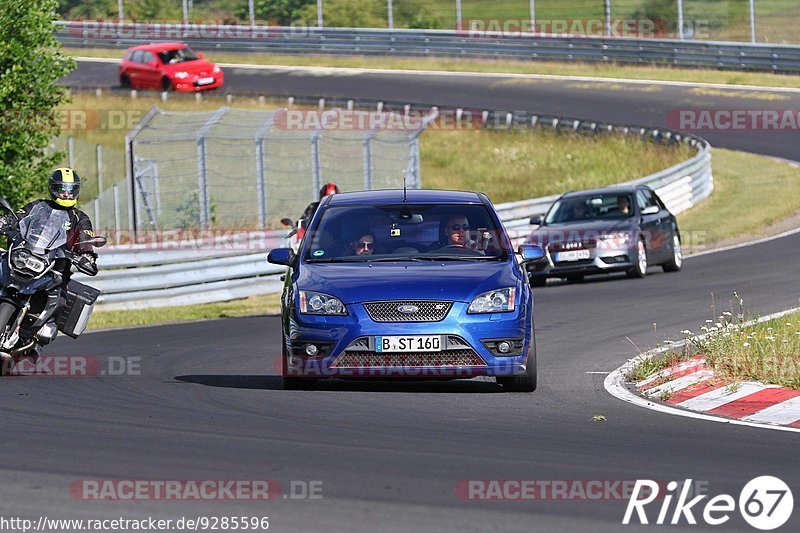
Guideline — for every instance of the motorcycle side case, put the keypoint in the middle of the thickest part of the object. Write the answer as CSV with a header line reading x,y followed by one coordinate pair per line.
x,y
80,301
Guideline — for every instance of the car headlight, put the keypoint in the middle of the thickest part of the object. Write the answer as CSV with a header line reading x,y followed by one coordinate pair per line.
x,y
316,303
181,75
217,70
24,260
498,301
621,239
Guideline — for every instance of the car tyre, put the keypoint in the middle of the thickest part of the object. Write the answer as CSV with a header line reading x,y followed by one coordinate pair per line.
x,y
575,279
125,82
292,382
639,269
166,84
538,281
676,262
525,382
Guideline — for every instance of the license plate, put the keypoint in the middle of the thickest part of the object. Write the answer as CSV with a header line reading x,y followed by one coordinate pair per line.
x,y
205,81
409,344
572,255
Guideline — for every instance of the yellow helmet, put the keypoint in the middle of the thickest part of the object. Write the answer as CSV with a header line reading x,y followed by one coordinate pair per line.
x,y
65,187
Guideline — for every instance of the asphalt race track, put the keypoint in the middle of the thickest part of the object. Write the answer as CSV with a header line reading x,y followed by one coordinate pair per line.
x,y
208,404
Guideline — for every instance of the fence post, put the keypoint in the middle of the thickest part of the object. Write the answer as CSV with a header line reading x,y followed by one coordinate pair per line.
x,y
752,22
316,178
121,10
319,14
70,152
96,203
680,19
202,174
458,15
608,17
532,11
116,213
391,14
261,179
252,10
99,169
367,161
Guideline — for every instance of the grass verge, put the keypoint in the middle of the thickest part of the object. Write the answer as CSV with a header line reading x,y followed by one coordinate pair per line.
x,y
658,73
768,352
269,304
738,208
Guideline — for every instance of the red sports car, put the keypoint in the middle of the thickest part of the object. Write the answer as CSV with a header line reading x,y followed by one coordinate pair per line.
x,y
167,66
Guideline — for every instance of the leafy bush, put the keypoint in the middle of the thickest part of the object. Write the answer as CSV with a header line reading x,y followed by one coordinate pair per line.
x,y
31,64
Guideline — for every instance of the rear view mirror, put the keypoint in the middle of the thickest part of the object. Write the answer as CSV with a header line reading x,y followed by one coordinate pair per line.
x,y
531,252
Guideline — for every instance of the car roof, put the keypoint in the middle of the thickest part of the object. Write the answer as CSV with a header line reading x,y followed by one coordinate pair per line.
x,y
158,47
413,196
605,190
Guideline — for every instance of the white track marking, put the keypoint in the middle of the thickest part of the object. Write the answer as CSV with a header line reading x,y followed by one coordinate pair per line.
x,y
455,73
669,371
681,383
781,413
721,396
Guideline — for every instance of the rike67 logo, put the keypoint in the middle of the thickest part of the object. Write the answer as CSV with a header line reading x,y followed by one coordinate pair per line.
x,y
765,503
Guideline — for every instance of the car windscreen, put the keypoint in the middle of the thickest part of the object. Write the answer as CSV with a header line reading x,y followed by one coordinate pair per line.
x,y
406,232
170,57
590,207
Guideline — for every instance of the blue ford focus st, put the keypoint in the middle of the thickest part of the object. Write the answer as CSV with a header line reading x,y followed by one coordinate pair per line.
x,y
423,284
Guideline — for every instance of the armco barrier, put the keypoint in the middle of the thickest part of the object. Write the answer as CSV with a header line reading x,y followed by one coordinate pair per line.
x,y
437,43
203,271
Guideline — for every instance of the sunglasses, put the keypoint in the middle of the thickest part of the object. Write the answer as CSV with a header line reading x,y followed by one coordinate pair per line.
x,y
365,245
460,227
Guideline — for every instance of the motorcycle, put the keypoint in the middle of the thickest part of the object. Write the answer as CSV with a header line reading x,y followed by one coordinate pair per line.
x,y
33,304
296,233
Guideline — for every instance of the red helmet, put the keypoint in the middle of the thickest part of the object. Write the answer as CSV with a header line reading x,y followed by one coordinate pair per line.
x,y
327,190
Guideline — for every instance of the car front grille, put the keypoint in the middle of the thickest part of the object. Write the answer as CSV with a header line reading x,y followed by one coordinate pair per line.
x,y
426,311
447,358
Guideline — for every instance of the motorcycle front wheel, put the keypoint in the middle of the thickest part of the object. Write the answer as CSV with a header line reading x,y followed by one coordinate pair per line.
x,y
6,312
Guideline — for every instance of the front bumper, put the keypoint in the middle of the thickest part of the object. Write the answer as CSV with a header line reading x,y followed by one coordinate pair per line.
x,y
192,83
347,345
601,260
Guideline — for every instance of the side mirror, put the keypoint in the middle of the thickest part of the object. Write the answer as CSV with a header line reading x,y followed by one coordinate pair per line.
x,y
153,63
97,242
287,222
531,252
281,256
200,55
535,221
651,210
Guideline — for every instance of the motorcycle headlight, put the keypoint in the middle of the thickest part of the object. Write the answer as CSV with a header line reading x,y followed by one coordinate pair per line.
x,y
316,303
24,260
498,301
181,75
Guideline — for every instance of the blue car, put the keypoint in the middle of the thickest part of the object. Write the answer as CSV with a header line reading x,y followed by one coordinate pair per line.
x,y
419,284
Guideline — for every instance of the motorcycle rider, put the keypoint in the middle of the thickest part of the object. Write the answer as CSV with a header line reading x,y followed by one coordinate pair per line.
x,y
65,188
305,219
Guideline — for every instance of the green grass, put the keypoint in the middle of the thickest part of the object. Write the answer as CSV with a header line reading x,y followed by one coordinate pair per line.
x,y
497,66
517,165
768,351
750,194
255,305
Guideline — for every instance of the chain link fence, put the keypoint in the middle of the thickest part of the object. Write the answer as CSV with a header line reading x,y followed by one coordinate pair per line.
x,y
245,169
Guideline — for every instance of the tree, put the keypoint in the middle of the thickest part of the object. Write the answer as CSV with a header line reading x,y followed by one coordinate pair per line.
x,y
31,63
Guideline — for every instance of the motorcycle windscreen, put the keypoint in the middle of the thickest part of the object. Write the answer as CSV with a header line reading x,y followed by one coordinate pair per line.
x,y
45,228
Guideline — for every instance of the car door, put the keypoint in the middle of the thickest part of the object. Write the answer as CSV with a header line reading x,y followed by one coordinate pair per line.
x,y
651,225
151,75
669,225
134,69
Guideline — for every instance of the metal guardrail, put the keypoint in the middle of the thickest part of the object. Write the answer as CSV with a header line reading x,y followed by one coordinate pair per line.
x,y
203,271
438,43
